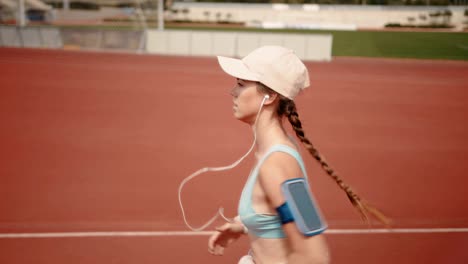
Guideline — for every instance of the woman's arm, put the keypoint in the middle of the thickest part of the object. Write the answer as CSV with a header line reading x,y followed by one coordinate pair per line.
x,y
278,168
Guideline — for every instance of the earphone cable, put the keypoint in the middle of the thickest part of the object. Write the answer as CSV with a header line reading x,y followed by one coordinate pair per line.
x,y
220,211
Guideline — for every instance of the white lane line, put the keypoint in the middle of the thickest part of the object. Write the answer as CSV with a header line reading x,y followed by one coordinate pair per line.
x,y
105,234
397,231
207,233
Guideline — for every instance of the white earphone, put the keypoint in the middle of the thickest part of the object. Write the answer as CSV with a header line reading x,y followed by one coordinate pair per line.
x,y
266,97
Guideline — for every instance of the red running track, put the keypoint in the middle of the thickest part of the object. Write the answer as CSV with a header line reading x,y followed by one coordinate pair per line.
x,y
100,142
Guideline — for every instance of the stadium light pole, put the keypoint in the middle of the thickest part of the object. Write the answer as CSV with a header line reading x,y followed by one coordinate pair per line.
x,y
66,5
21,14
160,15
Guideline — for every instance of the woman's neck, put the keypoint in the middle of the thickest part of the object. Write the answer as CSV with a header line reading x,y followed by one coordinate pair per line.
x,y
269,131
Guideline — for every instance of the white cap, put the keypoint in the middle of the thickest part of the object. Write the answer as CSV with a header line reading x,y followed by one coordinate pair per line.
x,y
277,67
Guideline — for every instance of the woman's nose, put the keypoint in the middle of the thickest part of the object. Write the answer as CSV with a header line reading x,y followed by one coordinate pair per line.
x,y
234,91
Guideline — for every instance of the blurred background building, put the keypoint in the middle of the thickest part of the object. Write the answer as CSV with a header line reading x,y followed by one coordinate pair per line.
x,y
319,14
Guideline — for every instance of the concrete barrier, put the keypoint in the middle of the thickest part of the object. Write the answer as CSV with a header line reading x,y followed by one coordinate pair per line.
x,y
179,43
156,42
316,47
204,38
224,44
298,43
271,39
246,42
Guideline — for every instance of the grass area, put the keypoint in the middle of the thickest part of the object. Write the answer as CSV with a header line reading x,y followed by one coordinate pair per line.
x,y
421,45
386,44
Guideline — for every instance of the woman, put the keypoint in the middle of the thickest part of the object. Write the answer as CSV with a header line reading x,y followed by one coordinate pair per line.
x,y
269,78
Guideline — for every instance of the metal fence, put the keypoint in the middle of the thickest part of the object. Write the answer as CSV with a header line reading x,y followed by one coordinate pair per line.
x,y
96,39
30,37
71,38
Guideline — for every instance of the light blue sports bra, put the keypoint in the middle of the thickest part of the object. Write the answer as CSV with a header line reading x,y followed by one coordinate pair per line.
x,y
263,225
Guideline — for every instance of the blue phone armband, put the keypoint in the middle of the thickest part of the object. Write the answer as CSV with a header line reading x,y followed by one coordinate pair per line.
x,y
300,207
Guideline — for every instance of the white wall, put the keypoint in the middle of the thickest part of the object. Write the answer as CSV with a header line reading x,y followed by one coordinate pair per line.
x,y
317,47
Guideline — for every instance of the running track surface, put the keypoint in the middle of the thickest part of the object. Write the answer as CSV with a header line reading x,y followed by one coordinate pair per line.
x,y
96,142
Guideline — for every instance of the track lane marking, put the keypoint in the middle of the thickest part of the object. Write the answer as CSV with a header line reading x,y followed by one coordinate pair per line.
x,y
207,233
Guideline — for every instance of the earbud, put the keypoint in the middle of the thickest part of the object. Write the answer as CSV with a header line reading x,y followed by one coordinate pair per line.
x,y
267,96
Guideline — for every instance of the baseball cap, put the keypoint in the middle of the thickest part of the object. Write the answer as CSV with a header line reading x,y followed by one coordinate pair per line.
x,y
277,67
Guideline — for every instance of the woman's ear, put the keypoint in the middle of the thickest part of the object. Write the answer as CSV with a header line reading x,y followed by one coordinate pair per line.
x,y
270,98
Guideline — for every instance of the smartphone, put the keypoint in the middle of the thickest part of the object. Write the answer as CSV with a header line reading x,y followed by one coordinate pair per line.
x,y
303,207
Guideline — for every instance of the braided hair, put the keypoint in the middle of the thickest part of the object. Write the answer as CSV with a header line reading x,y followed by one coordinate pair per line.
x,y
287,108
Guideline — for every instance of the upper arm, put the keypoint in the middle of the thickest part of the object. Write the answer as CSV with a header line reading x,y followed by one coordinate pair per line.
x,y
278,168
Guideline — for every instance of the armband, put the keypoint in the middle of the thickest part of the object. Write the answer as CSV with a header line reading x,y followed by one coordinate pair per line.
x,y
285,214
300,207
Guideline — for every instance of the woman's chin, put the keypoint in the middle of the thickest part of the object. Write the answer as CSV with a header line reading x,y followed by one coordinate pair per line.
x,y
238,116
244,119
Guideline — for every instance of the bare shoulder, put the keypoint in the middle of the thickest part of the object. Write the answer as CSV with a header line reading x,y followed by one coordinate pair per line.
x,y
276,169
280,165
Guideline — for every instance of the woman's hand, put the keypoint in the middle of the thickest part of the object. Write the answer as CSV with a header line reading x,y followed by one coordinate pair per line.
x,y
224,236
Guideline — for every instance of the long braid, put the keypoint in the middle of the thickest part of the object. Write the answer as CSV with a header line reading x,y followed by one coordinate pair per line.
x,y
288,108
